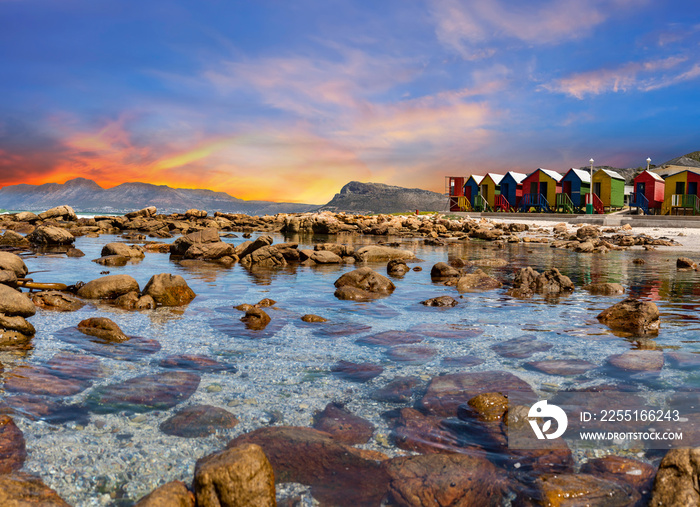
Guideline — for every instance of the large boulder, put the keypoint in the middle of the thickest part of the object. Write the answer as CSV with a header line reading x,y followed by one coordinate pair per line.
x,y
169,290
62,212
12,238
378,253
181,245
209,251
369,282
249,247
265,257
50,236
13,302
443,271
632,316
14,263
128,251
145,212
238,476
676,483
550,283
477,281
108,287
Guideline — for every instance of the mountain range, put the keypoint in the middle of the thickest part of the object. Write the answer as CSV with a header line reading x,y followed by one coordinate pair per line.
x,y
85,195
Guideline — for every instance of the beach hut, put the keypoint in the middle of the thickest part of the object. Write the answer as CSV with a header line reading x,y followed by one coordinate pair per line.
x,y
490,188
540,188
609,186
471,188
575,184
647,191
454,188
511,191
681,192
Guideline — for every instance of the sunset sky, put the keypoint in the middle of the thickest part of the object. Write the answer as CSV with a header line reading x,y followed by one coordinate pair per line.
x,y
289,100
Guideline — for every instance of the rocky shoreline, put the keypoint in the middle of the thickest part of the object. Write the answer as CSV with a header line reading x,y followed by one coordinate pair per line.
x,y
444,464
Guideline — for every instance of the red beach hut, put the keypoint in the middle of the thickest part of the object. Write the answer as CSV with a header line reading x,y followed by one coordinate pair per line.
x,y
648,192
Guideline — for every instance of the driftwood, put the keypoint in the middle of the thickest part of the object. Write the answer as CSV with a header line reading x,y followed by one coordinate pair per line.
x,y
28,283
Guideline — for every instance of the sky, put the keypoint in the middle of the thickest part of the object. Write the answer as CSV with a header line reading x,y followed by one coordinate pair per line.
x,y
288,100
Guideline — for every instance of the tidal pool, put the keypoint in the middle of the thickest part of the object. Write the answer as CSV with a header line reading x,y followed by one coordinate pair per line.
x,y
114,455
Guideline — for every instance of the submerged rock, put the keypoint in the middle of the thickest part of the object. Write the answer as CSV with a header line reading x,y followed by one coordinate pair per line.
x,y
12,448
159,391
343,425
582,489
399,390
442,301
638,360
561,366
309,317
445,479
198,421
605,289
356,372
632,316
521,347
378,253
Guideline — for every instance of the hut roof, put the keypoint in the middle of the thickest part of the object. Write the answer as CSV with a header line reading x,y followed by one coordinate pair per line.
x,y
552,174
584,176
613,174
694,170
518,177
652,174
495,177
476,177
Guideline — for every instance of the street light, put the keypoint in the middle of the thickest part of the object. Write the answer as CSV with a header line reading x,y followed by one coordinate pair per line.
x,y
648,162
589,204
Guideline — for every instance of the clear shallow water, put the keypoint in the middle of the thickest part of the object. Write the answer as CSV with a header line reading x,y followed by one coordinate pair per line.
x,y
283,372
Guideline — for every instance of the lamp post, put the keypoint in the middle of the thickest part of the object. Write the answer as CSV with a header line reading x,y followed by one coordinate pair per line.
x,y
648,162
589,204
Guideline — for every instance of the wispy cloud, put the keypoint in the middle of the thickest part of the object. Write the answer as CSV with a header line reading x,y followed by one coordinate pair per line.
x,y
642,76
473,28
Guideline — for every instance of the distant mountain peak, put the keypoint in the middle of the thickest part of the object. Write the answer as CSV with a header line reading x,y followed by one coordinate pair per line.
x,y
82,182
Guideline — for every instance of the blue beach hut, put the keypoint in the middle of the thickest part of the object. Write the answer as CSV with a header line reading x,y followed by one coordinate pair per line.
x,y
576,183
512,188
472,187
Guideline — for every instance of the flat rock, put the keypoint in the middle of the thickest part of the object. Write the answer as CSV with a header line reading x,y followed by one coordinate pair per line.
x,y
461,361
193,362
399,390
408,354
309,317
390,338
561,366
237,476
49,235
442,301
108,287
12,449
582,489
638,360
332,469
366,280
356,372
57,301
159,391
42,381
446,333
638,474
521,347
102,328
112,260
446,392
343,425
605,289
683,360
477,281
378,253
198,421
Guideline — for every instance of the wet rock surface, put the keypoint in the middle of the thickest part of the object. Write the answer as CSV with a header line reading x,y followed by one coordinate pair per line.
x,y
521,347
343,425
356,372
173,494
169,290
109,287
632,316
12,448
23,489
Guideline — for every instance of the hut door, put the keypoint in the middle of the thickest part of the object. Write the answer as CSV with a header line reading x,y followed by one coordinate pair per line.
x,y
566,187
596,188
485,191
504,190
693,187
680,187
543,188
641,188
533,187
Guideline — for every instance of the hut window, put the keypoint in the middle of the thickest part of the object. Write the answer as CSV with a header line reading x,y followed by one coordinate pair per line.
x,y
680,187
